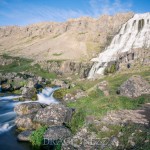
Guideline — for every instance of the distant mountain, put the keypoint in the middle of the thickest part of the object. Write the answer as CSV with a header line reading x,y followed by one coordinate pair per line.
x,y
77,39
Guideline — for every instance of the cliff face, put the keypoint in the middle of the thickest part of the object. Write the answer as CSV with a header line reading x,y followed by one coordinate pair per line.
x,y
76,39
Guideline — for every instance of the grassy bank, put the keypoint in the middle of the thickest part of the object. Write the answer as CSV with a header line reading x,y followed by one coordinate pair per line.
x,y
24,65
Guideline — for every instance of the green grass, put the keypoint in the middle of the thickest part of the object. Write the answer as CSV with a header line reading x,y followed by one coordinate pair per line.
x,y
36,138
96,104
22,64
57,54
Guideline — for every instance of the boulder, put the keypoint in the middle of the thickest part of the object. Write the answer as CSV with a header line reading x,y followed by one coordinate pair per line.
x,y
55,133
6,87
54,114
27,108
26,122
24,136
134,87
29,93
60,83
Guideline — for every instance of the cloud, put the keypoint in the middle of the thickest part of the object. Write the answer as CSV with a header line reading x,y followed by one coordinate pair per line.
x,y
109,7
20,14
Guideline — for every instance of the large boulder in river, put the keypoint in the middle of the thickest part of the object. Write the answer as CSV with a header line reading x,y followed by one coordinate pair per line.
x,y
54,114
24,136
55,133
29,93
27,108
26,122
134,87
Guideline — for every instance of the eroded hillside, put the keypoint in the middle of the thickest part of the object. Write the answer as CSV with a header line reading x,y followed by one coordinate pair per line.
x,y
76,39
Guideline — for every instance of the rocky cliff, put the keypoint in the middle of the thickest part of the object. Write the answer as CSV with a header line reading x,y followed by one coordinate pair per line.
x,y
76,39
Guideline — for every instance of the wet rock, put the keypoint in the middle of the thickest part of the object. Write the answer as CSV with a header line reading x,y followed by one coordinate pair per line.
x,y
54,114
134,87
57,133
27,108
24,136
6,87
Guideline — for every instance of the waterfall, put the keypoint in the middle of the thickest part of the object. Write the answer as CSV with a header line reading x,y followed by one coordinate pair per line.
x,y
133,34
46,96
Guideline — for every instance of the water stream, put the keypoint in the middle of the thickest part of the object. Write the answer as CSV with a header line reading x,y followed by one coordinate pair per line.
x,y
8,137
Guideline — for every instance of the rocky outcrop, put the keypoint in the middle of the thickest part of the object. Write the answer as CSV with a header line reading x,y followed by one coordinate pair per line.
x,y
67,67
54,114
55,133
134,87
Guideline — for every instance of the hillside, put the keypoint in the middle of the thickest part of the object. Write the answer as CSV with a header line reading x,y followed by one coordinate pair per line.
x,y
76,39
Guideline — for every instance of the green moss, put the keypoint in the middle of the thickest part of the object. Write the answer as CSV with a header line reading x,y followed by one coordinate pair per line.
x,y
59,94
36,138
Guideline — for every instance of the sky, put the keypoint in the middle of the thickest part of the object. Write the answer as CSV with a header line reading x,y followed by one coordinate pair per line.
x,y
24,12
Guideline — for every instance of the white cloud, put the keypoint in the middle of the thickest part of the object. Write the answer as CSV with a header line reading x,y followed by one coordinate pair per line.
x,y
22,15
109,7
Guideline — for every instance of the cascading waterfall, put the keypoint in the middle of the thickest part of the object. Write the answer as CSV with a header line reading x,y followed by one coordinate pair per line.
x,y
46,96
7,104
133,34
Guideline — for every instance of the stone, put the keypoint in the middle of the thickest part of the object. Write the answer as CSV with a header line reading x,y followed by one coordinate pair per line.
x,y
26,122
6,87
114,141
54,114
57,133
103,86
29,93
27,108
134,87
24,136
60,83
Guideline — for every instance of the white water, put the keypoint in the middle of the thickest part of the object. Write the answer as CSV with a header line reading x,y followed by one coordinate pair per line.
x,y
133,34
46,96
7,114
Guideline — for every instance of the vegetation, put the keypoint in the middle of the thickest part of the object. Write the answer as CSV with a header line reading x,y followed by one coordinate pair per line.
x,y
110,69
57,54
77,121
59,94
96,104
22,64
36,137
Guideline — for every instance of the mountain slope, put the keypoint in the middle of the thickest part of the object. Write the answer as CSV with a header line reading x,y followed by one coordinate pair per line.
x,y
76,39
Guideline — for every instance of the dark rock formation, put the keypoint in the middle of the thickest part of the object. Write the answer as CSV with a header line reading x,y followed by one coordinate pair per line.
x,y
68,67
134,87
24,136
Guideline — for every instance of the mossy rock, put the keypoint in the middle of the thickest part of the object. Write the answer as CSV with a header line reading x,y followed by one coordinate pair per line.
x,y
59,94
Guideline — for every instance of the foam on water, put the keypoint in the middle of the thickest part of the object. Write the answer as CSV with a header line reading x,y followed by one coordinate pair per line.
x,y
133,34
46,96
